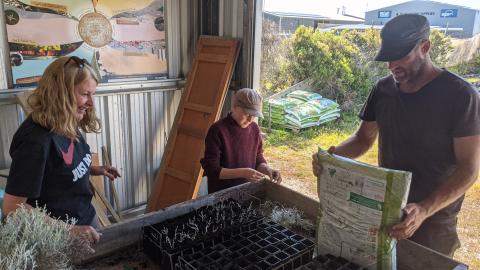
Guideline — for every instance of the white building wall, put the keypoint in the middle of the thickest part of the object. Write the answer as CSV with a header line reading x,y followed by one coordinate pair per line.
x,y
438,14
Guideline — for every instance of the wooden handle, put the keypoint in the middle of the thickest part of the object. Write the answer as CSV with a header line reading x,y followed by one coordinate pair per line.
x,y
106,161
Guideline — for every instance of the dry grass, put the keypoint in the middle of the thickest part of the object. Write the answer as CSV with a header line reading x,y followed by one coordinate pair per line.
x,y
292,156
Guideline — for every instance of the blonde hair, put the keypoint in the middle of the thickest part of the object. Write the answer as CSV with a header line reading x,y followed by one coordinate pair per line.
x,y
53,102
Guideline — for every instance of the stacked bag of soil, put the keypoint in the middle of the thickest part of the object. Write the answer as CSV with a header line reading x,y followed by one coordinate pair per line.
x,y
276,109
300,109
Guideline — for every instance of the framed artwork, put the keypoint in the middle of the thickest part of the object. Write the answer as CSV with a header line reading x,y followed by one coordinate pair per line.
x,y
124,40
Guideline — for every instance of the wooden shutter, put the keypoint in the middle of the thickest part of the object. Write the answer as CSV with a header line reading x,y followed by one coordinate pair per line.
x,y
180,172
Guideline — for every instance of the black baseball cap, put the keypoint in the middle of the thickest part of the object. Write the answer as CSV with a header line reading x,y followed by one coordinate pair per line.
x,y
400,35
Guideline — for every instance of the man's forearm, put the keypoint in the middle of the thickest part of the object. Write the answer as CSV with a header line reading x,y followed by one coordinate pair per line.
x,y
359,143
352,148
467,155
454,187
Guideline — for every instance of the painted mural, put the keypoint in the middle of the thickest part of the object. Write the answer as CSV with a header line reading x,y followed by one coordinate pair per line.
x,y
123,39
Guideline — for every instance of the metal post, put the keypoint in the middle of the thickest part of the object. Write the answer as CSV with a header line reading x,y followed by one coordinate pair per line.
x,y
5,69
269,117
172,8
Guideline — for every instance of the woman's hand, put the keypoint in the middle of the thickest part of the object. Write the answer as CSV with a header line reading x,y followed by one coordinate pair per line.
x,y
252,175
87,232
12,202
276,177
106,170
273,175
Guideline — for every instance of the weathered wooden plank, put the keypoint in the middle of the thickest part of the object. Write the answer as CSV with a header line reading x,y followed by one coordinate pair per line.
x,y
213,58
101,214
178,174
113,190
199,108
97,180
204,94
107,204
412,256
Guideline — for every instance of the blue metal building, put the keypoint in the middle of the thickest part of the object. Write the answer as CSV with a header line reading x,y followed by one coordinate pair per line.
x,y
455,20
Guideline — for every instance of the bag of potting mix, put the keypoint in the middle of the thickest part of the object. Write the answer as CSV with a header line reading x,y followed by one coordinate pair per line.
x,y
304,95
300,109
358,204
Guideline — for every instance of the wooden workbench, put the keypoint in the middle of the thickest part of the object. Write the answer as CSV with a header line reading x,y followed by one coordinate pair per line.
x,y
119,236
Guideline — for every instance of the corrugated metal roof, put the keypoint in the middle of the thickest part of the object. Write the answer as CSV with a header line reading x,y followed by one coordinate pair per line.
x,y
335,17
368,26
436,2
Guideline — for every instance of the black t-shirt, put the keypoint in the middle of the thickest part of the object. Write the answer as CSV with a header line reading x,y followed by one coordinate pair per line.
x,y
51,170
416,130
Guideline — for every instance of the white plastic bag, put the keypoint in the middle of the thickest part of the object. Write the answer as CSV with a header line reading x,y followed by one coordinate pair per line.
x,y
358,204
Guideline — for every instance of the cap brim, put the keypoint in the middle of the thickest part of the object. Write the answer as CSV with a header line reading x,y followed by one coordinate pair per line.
x,y
254,112
390,53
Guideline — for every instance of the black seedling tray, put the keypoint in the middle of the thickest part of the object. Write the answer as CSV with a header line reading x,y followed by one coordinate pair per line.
x,y
265,246
198,230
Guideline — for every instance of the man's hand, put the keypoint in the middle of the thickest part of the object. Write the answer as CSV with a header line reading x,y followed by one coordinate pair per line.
x,y
317,167
252,175
415,216
108,171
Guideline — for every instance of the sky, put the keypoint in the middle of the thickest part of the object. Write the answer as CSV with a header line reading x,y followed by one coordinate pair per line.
x,y
353,7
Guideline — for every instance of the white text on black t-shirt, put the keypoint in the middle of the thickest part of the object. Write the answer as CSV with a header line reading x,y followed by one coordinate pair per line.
x,y
82,167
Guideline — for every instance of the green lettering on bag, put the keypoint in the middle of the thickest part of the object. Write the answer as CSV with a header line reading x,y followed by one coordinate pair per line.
x,y
367,202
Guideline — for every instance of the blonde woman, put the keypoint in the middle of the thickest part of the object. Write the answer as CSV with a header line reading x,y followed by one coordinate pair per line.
x,y
51,162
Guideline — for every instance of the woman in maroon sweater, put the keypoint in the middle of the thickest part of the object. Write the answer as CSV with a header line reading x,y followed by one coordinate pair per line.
x,y
233,146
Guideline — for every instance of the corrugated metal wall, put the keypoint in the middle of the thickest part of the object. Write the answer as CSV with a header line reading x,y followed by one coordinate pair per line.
x,y
136,126
11,115
136,122
135,129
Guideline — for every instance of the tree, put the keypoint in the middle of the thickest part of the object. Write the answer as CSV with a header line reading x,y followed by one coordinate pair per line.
x,y
340,63
441,46
273,58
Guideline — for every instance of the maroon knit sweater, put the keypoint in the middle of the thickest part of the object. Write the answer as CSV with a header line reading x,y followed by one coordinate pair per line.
x,y
228,145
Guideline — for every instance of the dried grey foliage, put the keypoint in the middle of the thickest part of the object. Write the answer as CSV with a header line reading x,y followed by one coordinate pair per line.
x,y
289,217
31,240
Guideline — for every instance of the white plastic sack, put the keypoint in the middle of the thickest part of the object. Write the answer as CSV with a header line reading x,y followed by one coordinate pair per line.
x,y
358,204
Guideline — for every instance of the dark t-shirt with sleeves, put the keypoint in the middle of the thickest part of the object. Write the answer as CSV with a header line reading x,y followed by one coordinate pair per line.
x,y
228,145
416,130
53,171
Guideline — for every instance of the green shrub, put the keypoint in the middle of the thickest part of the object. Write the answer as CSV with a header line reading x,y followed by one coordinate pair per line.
x,y
339,62
441,46
469,67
